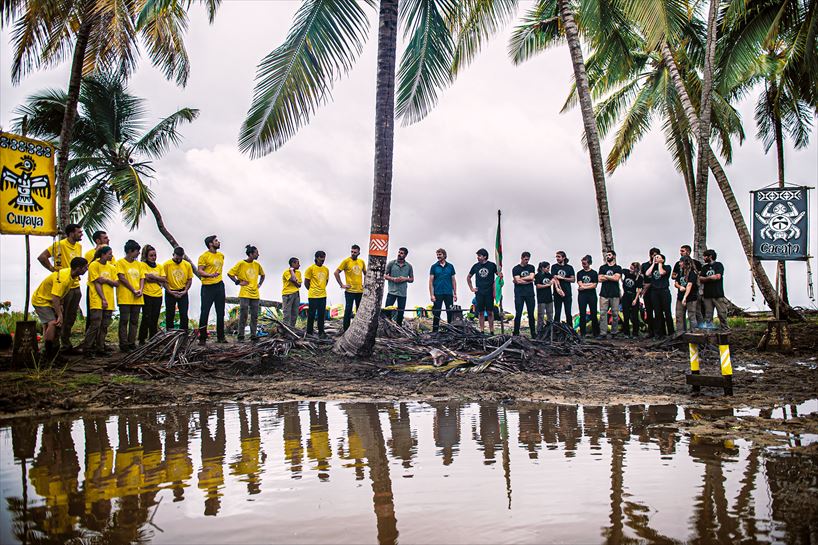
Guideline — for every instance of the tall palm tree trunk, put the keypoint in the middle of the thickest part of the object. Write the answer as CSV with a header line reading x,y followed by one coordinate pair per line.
x,y
759,274
359,339
705,113
589,121
775,101
70,115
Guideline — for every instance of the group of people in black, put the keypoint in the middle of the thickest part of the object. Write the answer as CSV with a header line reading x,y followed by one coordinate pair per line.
x,y
642,292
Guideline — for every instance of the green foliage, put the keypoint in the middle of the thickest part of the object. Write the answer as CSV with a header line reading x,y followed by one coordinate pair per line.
x,y
736,321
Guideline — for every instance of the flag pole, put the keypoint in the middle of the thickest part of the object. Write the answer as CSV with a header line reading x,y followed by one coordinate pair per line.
x,y
498,257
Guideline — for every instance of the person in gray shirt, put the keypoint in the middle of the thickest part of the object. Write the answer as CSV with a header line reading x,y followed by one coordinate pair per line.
x,y
398,274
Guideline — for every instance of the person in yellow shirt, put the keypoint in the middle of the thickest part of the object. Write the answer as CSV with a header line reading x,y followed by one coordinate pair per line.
x,y
248,274
100,239
62,253
354,270
210,271
315,278
290,291
49,301
154,282
179,275
131,275
102,279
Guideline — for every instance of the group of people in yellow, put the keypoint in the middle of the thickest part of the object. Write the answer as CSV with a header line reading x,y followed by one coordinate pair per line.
x,y
136,285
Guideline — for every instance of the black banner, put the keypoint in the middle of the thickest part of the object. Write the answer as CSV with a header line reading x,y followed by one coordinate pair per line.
x,y
780,223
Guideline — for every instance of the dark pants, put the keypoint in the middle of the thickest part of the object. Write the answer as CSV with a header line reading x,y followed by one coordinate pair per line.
x,y
149,326
392,299
649,312
588,302
70,306
528,301
128,324
316,312
170,310
662,315
559,303
350,299
630,315
98,323
440,300
212,294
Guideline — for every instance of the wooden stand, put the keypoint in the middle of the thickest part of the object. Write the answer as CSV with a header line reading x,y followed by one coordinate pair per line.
x,y
695,341
776,338
25,351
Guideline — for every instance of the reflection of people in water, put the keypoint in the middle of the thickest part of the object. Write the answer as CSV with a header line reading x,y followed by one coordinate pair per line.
x,y
100,481
447,429
489,437
364,422
594,426
177,452
403,442
318,447
248,462
293,449
530,436
211,475
666,437
549,425
568,431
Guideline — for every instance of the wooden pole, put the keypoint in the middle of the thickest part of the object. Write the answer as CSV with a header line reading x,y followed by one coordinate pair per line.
x,y
28,278
502,314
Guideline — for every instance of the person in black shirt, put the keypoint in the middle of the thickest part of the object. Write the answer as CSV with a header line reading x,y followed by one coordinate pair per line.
x,y
609,275
524,294
484,271
565,273
712,278
649,312
587,279
685,251
544,282
687,282
632,283
659,275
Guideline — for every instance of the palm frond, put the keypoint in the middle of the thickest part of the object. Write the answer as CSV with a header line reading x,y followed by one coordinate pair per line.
x,y
163,34
94,207
476,22
29,35
164,135
635,123
132,193
45,111
326,38
426,61
538,30
659,20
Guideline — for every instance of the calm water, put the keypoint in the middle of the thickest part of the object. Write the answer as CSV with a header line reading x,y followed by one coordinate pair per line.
x,y
305,472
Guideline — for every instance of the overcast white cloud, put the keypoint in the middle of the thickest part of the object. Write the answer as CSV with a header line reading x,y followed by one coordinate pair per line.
x,y
496,140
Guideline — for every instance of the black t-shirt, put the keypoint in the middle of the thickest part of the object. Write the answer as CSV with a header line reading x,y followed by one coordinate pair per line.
x,y
523,271
659,280
484,274
588,276
645,279
632,282
697,267
563,271
691,278
544,295
716,288
610,288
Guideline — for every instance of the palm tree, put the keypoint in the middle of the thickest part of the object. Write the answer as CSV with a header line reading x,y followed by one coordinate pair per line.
x,y
111,151
99,34
323,44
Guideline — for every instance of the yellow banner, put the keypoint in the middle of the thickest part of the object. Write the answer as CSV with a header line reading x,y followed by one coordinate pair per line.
x,y
28,197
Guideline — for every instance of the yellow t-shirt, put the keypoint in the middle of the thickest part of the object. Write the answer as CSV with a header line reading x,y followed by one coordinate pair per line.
x,y
57,283
354,274
98,270
212,263
89,256
153,289
318,277
249,272
288,287
62,253
177,275
134,271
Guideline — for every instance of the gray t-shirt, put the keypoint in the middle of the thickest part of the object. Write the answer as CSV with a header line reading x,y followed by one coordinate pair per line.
x,y
393,268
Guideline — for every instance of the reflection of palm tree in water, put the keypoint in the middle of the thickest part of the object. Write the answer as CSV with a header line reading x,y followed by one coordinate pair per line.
x,y
712,520
403,442
248,462
211,475
447,430
318,447
293,449
364,422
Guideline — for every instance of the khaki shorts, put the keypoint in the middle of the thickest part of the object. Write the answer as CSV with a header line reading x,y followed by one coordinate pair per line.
x,y
45,314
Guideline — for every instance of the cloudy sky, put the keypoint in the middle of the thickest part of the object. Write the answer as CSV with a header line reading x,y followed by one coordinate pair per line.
x,y
496,140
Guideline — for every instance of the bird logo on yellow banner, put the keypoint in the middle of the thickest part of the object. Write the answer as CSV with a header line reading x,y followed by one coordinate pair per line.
x,y
27,192
27,185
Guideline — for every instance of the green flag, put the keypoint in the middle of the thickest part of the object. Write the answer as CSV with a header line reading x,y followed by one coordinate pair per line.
x,y
498,259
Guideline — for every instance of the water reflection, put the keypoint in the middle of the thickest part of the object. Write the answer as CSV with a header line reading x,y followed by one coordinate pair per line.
x,y
526,472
